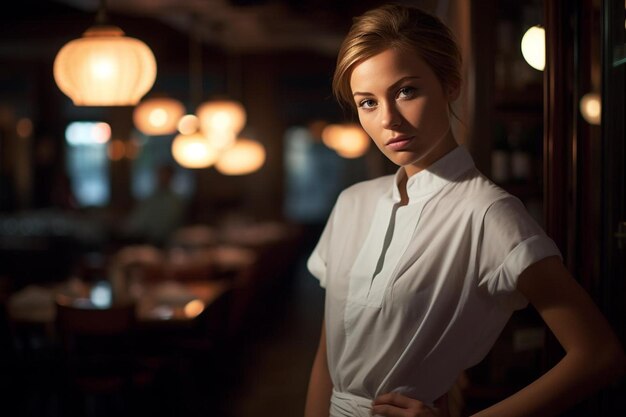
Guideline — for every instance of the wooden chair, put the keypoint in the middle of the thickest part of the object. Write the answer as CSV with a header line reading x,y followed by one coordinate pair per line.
x,y
99,355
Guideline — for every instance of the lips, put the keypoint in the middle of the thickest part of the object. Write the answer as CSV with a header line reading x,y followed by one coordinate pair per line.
x,y
398,143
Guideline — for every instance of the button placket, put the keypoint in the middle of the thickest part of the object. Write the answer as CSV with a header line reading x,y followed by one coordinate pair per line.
x,y
407,219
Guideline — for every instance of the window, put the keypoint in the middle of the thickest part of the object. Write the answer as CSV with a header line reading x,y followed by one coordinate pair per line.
x,y
87,162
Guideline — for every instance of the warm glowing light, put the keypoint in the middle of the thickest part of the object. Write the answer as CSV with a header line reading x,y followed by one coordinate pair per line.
x,y
591,108
116,150
354,142
221,139
193,151
188,124
331,135
246,156
158,116
221,115
348,140
105,68
102,67
534,47
194,308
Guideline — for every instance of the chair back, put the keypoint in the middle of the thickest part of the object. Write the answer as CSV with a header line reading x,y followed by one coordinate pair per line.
x,y
99,356
117,319
91,330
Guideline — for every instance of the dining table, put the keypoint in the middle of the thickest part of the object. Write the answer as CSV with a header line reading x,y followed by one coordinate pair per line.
x,y
169,302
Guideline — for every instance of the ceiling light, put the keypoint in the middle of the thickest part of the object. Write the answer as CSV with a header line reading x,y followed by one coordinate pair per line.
x,y
158,116
348,140
221,115
188,124
193,151
104,67
534,47
244,157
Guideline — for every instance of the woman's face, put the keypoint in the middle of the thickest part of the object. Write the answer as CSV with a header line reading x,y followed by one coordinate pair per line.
x,y
404,108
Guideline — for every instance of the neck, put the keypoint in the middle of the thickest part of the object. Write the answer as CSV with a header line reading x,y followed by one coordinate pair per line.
x,y
446,144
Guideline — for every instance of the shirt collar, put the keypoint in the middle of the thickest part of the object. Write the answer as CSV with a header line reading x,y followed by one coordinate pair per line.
x,y
443,171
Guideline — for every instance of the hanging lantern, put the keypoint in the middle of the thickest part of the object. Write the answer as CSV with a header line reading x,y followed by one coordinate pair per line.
x,y
534,47
158,116
193,151
353,141
348,140
221,139
221,115
245,157
105,68
188,124
331,135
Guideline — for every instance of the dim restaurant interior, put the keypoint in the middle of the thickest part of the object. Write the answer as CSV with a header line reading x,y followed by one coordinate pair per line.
x,y
166,168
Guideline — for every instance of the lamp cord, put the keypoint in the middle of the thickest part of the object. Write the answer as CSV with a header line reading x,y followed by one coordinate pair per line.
x,y
102,19
234,76
195,65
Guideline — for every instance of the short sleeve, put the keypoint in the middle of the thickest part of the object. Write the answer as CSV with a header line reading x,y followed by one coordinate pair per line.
x,y
511,242
318,260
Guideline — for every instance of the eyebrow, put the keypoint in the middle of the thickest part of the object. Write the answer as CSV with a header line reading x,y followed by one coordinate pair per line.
x,y
391,87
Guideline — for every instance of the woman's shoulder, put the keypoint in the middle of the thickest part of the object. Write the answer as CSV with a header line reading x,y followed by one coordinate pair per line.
x,y
478,191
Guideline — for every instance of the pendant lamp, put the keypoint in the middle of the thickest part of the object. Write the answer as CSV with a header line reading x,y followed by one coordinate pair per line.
x,y
221,115
348,140
225,114
158,115
220,139
244,157
188,124
193,151
331,135
104,67
354,141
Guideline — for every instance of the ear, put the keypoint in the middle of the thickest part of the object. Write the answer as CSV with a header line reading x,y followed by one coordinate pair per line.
x,y
453,90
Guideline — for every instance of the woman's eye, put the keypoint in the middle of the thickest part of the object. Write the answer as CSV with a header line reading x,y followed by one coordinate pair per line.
x,y
407,92
367,104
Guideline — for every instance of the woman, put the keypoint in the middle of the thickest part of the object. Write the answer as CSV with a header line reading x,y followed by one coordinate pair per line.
x,y
423,269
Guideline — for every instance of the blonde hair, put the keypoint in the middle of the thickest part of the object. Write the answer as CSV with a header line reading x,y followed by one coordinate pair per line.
x,y
396,26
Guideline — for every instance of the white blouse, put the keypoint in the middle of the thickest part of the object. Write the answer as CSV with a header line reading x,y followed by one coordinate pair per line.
x,y
417,293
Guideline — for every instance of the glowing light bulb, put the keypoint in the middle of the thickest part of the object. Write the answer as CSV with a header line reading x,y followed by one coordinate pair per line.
x,y
534,47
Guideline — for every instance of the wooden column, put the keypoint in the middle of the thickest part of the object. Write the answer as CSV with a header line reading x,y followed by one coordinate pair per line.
x,y
559,125
480,82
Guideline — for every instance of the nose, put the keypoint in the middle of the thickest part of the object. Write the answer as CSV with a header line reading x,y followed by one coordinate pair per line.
x,y
391,117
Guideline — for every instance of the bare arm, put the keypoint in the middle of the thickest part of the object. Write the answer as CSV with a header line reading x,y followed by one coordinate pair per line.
x,y
593,355
320,385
